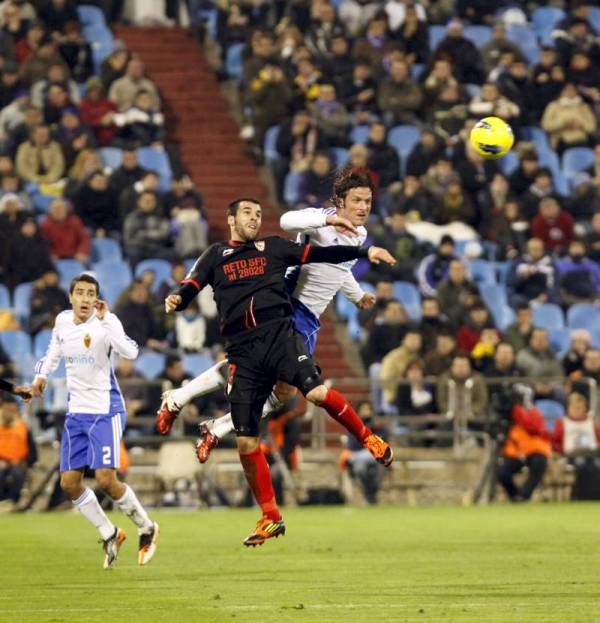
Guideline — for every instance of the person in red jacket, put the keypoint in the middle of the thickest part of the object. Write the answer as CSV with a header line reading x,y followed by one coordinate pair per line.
x,y
527,444
97,111
552,225
469,335
65,233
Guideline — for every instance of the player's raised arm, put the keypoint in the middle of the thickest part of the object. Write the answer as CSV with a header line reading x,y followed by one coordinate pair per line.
x,y
47,364
294,254
116,337
311,219
199,276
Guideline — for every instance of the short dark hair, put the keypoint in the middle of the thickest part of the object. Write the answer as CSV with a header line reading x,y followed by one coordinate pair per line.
x,y
234,206
347,179
87,278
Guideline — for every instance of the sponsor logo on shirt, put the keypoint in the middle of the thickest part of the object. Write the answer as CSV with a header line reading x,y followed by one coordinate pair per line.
x,y
242,269
83,360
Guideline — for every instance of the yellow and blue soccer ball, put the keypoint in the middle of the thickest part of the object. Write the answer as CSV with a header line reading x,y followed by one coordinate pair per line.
x,y
492,138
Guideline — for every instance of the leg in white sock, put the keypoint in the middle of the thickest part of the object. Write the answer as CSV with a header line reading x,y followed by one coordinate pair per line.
x,y
87,504
131,506
205,383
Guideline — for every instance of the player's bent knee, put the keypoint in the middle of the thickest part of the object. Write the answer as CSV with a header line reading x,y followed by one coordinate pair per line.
x,y
106,478
71,483
247,445
317,395
285,392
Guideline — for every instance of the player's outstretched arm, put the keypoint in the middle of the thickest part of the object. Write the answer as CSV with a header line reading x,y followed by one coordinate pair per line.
x,y
379,254
116,337
46,365
311,219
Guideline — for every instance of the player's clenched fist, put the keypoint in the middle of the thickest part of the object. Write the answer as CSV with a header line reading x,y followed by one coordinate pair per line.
x,y
378,254
172,302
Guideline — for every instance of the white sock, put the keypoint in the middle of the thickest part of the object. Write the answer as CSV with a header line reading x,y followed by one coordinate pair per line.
x,y
207,382
223,425
87,504
131,506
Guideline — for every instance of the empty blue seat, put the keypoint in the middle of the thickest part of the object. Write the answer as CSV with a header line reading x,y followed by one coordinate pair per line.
x,y
416,69
482,271
526,39
150,363
21,297
339,155
106,249
552,410
291,188
110,291
436,34
503,316
408,294
548,316
160,268
89,15
544,19
41,342
594,18
360,134
343,306
560,340
493,295
538,137
68,269
233,61
111,157
41,203
4,297
197,363
116,272
479,35
270,144
583,316
100,50
509,163
403,139
355,331
24,363
15,342
577,159
156,159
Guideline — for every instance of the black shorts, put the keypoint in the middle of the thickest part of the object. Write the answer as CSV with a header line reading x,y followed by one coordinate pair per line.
x,y
271,353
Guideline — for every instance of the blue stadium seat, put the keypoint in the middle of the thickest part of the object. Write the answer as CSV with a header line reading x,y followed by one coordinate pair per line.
x,y
98,34
291,188
41,342
112,274
197,363
150,363
339,155
594,18
416,69
410,298
106,249
509,163
343,306
68,269
482,271
526,39
24,363
583,316
544,19
233,61
15,342
41,203
436,34
161,269
577,159
157,160
560,340
4,297
359,134
552,410
189,264
479,35
403,138
538,137
89,15
21,297
111,157
595,337
355,331
493,294
503,316
269,147
101,49
110,291
473,90
548,316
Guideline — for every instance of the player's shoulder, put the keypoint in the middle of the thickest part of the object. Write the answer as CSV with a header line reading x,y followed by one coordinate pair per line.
x,y
362,233
330,211
64,319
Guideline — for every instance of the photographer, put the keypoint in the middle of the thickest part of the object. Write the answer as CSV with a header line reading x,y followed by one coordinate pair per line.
x,y
527,443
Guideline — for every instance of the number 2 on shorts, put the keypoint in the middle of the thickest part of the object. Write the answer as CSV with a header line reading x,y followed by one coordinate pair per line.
x,y
106,455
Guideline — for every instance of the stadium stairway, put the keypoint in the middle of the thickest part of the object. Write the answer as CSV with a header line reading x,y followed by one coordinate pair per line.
x,y
198,120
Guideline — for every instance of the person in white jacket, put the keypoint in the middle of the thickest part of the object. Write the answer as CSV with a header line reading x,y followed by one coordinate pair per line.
x,y
85,337
311,286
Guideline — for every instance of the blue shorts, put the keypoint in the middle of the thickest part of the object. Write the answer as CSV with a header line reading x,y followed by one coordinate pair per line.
x,y
93,441
306,324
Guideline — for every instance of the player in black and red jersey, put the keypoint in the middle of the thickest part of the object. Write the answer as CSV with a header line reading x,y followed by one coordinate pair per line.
x,y
247,276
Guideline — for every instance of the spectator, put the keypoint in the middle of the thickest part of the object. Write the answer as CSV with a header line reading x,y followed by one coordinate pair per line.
x,y
399,97
57,75
394,363
412,200
537,361
440,78
577,434
384,292
359,93
438,177
415,397
492,103
65,233
137,315
524,175
572,362
190,329
569,120
497,47
188,229
56,14
434,267
129,197
47,300
73,135
413,35
527,444
32,117
17,453
141,123
470,333
383,159
553,226
29,44
114,66
457,293
578,277
56,102
591,366
542,187
146,233
438,360
531,277
38,64
182,192
316,183
98,112
131,383
387,332
518,334
76,52
40,159
455,206
577,35
128,173
471,396
585,200
502,365
356,14
95,203
323,27
509,230
10,83
424,153
461,53
433,321
548,79
374,44
330,116
123,91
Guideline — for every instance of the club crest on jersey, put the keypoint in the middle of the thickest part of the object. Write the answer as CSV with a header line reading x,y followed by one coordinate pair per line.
x,y
87,340
260,245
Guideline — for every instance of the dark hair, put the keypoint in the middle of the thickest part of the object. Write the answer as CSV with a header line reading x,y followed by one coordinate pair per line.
x,y
347,179
171,360
234,206
87,278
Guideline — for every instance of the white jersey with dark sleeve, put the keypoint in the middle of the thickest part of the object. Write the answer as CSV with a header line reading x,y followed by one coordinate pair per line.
x,y
315,285
86,349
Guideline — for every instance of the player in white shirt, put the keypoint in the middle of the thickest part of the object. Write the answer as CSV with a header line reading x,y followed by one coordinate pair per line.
x,y
312,288
85,337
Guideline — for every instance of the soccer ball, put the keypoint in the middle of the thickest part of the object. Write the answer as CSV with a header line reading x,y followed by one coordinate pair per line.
x,y
492,138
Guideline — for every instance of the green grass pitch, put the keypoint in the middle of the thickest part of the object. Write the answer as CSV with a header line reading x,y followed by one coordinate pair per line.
x,y
513,564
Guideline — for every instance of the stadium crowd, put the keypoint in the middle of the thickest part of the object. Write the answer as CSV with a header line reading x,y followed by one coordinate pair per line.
x,y
498,271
